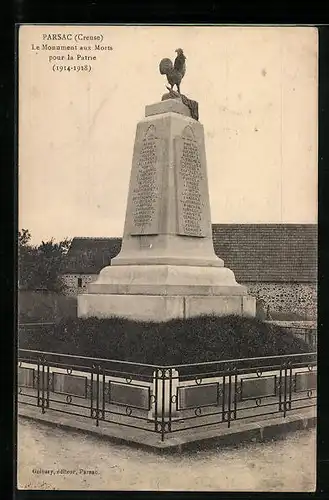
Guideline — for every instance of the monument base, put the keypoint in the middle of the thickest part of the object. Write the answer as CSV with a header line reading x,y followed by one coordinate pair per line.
x,y
163,307
167,267
164,292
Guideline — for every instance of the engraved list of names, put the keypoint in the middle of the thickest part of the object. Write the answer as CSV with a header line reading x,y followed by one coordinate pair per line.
x,y
190,188
145,196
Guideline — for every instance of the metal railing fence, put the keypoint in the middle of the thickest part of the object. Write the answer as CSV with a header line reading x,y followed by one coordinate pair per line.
x,y
167,399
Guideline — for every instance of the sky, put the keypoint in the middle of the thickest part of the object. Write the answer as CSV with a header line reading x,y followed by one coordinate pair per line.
x,y
258,97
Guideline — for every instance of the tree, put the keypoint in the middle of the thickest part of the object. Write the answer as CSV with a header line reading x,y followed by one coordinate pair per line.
x,y
24,237
39,266
26,260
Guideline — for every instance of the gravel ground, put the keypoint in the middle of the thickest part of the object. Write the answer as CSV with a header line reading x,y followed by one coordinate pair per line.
x,y
56,459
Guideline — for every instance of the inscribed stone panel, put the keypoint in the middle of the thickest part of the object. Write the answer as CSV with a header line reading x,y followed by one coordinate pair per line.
x,y
191,186
147,186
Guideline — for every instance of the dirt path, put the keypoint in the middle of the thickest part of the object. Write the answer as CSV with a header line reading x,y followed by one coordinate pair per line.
x,y
50,458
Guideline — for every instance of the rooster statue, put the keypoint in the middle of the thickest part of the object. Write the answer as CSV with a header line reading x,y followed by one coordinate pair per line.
x,y
174,72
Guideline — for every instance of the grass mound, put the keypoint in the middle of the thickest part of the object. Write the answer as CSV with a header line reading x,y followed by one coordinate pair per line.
x,y
206,338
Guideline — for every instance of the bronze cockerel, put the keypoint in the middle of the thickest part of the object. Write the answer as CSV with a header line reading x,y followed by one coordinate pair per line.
x,y
174,72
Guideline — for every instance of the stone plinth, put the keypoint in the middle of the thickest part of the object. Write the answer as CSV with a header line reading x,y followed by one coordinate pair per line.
x,y
167,266
173,105
162,307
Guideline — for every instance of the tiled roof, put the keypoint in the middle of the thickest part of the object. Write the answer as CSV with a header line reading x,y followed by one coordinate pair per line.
x,y
268,252
90,255
255,252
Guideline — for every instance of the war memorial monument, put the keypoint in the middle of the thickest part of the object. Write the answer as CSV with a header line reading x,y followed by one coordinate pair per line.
x,y
167,267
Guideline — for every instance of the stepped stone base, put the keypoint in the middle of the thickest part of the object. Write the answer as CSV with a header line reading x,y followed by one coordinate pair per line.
x,y
166,280
164,292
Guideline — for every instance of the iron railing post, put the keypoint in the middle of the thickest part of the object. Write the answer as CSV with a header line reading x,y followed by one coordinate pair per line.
x,y
285,391
163,402
170,400
229,400
97,396
235,393
38,382
103,394
43,386
289,367
92,392
224,397
48,388
156,399
280,389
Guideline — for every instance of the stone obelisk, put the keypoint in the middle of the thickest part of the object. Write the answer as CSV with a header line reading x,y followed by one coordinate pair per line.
x,y
167,267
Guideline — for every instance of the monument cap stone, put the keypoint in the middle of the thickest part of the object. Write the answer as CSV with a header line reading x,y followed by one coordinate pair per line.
x,y
167,106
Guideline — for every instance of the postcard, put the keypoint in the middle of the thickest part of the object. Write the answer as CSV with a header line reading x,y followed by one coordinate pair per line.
x,y
167,293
